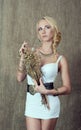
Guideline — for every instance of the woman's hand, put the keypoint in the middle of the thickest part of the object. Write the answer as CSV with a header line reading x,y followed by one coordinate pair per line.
x,y
40,88
25,46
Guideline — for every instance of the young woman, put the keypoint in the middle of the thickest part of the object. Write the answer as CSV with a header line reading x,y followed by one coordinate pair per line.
x,y
39,117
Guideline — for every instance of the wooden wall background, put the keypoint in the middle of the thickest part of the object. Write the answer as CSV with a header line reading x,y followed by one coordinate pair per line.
x,y
17,23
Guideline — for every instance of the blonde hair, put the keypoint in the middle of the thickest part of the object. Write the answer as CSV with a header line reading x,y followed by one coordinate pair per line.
x,y
57,34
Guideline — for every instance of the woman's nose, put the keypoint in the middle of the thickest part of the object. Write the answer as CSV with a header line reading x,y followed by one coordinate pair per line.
x,y
43,30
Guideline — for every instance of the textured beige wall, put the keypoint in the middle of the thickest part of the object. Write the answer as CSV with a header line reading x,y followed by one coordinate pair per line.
x,y
17,23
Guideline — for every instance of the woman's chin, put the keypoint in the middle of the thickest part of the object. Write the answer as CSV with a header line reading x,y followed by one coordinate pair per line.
x,y
46,40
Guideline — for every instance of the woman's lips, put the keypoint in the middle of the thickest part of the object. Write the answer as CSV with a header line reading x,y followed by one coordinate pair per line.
x,y
44,36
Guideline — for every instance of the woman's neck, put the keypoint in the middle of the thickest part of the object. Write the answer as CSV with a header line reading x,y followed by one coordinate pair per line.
x,y
47,47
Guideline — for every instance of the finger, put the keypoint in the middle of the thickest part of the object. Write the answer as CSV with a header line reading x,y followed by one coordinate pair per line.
x,y
24,48
35,82
41,82
25,45
20,52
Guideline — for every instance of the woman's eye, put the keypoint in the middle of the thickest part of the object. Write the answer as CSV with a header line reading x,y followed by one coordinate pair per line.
x,y
39,29
48,27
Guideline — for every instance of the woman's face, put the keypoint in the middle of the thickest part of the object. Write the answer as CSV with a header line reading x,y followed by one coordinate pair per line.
x,y
45,31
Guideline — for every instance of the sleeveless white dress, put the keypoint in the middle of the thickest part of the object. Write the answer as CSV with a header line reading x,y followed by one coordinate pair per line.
x,y
34,108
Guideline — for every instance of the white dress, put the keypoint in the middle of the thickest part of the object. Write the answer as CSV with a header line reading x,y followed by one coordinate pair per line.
x,y
34,108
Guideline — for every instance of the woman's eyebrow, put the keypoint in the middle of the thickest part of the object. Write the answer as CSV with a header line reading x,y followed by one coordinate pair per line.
x,y
44,26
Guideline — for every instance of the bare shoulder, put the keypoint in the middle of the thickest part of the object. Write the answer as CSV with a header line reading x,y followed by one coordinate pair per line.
x,y
63,59
64,62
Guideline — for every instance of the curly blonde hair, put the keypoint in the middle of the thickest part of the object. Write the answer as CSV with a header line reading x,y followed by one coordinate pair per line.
x,y
57,33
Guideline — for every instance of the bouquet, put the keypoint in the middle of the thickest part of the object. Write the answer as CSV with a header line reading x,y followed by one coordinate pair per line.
x,y
32,64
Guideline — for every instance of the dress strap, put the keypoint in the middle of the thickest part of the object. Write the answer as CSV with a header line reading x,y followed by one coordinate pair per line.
x,y
59,58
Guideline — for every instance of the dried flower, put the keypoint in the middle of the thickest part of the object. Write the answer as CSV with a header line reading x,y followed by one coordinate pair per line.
x,y
32,64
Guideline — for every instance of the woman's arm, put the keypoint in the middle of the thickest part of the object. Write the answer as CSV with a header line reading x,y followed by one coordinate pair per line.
x,y
21,72
20,76
65,88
